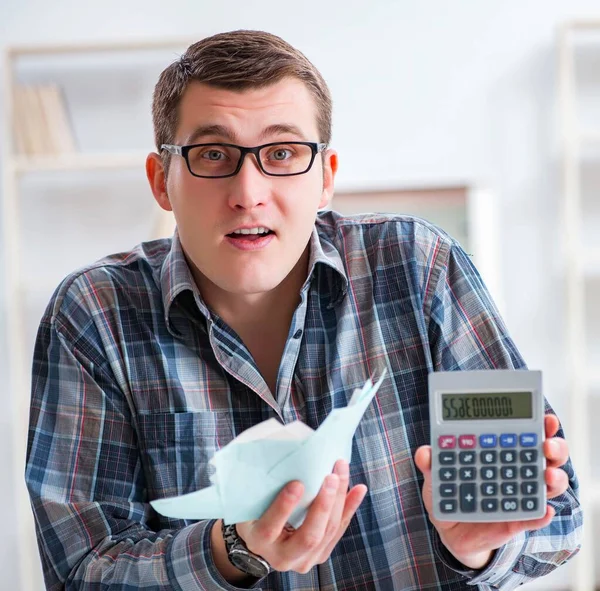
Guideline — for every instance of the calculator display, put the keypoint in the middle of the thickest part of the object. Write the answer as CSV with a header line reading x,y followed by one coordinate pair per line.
x,y
488,405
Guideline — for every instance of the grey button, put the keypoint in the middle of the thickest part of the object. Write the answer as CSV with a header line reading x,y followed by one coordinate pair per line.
x,y
528,472
528,456
529,504
489,505
508,456
448,506
489,489
468,473
466,457
489,473
509,505
447,490
447,458
509,489
447,474
529,488
508,473
468,498
488,457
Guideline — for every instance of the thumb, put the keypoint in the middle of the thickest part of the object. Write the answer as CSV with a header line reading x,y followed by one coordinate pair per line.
x,y
423,460
423,463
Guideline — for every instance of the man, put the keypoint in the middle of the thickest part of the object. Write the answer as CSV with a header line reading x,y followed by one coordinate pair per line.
x,y
147,362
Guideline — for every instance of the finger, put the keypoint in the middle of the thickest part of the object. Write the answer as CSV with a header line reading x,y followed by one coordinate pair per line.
x,y
423,459
556,451
268,528
557,482
343,471
353,500
310,534
551,425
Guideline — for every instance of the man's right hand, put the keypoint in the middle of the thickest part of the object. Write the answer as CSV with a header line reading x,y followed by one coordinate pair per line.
x,y
312,543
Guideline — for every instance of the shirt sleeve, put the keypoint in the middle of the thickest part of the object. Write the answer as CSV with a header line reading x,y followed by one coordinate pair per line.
x,y
86,480
466,332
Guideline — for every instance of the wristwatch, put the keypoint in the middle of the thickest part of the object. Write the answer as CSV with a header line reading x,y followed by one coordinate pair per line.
x,y
240,556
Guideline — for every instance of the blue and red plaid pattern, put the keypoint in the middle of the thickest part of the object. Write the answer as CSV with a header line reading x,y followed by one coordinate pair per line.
x,y
136,384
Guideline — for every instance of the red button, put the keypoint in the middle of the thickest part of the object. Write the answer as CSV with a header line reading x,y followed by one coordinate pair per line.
x,y
467,441
446,441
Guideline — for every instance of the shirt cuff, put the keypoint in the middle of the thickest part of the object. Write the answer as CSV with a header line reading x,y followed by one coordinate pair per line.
x,y
190,563
495,572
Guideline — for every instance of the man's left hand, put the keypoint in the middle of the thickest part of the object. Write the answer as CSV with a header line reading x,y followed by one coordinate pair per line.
x,y
474,544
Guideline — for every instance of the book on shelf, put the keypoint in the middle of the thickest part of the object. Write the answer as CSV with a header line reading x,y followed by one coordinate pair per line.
x,y
41,121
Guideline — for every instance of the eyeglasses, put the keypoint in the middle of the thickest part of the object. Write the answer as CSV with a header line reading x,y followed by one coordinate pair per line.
x,y
217,161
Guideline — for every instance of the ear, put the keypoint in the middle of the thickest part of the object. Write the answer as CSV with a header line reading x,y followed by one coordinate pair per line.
x,y
156,177
330,166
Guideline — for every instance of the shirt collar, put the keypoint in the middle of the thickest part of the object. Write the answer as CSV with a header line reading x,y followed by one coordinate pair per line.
x,y
176,276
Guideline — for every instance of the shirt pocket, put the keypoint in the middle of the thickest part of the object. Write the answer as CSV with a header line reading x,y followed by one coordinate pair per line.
x,y
176,449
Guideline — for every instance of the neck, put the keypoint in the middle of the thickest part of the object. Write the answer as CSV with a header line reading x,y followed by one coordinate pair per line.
x,y
271,311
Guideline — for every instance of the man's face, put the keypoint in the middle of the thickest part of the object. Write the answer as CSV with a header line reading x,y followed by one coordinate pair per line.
x,y
211,211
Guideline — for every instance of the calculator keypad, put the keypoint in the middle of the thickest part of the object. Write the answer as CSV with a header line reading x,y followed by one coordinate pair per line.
x,y
492,473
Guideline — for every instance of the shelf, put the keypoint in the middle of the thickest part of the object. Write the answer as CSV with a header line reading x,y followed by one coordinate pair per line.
x,y
75,162
128,46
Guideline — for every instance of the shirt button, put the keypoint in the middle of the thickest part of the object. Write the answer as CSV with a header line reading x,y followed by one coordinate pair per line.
x,y
298,333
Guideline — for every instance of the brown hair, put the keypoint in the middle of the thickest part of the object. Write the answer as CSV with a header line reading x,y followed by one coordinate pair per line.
x,y
236,60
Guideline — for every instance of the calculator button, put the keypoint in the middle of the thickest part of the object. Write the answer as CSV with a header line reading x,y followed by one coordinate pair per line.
x,y
447,458
508,457
508,440
488,457
467,441
488,473
487,440
447,474
528,456
509,489
508,472
529,488
466,457
448,506
447,490
489,489
528,472
446,442
529,504
468,498
468,473
528,439
509,505
489,505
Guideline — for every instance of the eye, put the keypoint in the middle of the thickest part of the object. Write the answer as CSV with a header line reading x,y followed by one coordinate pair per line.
x,y
281,154
214,155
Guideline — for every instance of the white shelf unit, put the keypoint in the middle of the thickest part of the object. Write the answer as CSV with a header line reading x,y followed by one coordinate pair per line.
x,y
16,168
582,265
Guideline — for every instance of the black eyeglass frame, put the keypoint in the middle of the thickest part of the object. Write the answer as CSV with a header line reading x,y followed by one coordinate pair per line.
x,y
183,151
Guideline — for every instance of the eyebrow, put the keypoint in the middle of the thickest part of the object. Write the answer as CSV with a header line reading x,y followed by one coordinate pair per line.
x,y
224,132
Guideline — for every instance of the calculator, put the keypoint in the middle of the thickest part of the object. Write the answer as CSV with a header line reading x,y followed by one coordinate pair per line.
x,y
487,433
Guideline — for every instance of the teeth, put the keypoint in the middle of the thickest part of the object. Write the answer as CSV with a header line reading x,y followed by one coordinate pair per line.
x,y
251,231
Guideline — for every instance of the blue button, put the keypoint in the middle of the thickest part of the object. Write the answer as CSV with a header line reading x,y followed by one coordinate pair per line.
x,y
487,440
528,439
508,440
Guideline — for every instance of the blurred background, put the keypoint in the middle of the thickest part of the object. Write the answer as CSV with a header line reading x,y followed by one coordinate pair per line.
x,y
483,117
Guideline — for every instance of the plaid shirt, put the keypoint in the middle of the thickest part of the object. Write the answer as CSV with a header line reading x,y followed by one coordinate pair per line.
x,y
136,384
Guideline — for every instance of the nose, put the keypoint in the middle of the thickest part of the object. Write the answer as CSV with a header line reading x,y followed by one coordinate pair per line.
x,y
249,187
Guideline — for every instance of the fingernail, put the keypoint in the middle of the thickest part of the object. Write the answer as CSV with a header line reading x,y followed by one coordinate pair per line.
x,y
331,483
554,447
342,469
294,490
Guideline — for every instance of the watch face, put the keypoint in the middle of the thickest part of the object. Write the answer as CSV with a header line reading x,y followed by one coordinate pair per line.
x,y
249,563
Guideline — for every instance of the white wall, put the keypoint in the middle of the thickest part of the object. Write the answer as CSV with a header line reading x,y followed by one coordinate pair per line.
x,y
424,91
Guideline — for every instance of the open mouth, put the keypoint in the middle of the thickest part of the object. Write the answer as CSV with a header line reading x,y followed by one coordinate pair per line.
x,y
251,234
